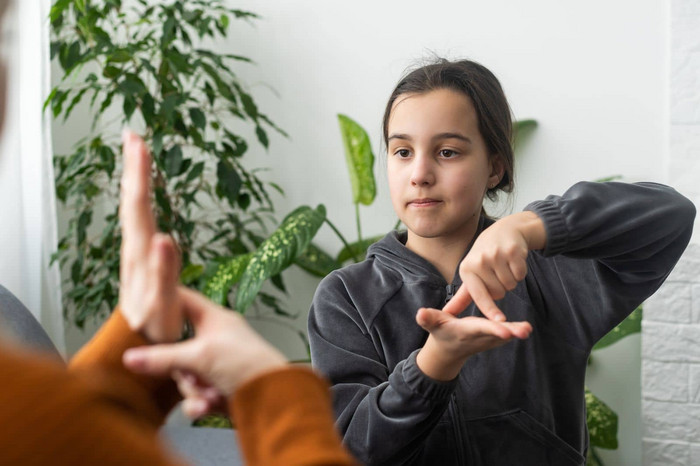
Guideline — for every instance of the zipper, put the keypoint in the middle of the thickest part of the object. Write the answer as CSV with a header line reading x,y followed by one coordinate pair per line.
x,y
450,292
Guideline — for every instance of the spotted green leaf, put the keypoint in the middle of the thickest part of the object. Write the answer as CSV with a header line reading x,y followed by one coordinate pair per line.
x,y
316,261
227,274
632,324
602,422
278,251
360,160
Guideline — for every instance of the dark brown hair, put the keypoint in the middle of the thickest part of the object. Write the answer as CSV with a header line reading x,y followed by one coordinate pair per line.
x,y
486,94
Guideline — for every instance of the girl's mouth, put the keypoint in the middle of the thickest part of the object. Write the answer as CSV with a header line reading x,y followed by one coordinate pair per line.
x,y
426,202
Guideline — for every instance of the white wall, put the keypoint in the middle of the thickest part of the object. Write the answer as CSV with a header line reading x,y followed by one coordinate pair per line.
x,y
592,73
670,346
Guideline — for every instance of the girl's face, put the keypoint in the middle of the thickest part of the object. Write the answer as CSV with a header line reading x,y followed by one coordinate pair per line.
x,y
438,165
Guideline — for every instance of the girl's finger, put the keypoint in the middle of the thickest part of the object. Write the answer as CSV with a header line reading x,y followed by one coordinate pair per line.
x,y
459,302
505,277
519,330
519,269
482,298
480,327
495,288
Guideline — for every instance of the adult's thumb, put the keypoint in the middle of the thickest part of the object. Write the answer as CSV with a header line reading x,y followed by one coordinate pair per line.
x,y
157,360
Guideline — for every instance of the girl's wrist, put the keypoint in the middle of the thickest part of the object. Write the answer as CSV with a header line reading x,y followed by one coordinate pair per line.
x,y
532,228
436,364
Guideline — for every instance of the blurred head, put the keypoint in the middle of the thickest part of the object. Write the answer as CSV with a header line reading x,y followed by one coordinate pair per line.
x,y
482,88
3,85
3,70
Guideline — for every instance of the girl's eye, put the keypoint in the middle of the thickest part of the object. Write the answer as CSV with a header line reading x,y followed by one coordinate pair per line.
x,y
402,153
447,153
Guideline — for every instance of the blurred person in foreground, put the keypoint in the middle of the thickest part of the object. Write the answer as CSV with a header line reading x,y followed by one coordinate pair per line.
x,y
96,411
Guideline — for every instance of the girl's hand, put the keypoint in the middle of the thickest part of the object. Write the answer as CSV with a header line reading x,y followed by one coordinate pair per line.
x,y
496,263
453,340
149,269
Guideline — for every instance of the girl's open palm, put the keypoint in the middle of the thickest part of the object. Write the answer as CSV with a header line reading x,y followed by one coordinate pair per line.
x,y
453,340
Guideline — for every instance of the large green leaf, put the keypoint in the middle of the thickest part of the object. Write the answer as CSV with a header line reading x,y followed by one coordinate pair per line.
x,y
632,324
602,422
357,250
316,261
360,160
278,251
521,132
227,274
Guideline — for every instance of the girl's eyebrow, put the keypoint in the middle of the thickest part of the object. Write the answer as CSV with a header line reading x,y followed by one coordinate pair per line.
x,y
459,136
405,137
437,137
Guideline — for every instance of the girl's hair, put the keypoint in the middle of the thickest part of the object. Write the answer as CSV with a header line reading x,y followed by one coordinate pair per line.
x,y
486,94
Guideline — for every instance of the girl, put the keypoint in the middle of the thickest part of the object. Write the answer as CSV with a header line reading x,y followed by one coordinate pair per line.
x,y
415,385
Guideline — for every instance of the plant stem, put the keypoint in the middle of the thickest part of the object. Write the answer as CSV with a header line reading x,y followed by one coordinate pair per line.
x,y
342,238
595,456
357,221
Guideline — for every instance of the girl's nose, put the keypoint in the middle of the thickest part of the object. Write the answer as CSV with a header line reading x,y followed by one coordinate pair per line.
x,y
422,171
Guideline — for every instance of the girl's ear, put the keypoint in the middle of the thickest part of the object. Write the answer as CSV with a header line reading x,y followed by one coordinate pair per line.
x,y
497,170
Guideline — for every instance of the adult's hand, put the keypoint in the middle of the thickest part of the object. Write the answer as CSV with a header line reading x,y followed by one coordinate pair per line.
x,y
149,269
224,353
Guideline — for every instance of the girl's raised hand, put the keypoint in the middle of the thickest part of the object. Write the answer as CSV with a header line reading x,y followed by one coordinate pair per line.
x,y
496,263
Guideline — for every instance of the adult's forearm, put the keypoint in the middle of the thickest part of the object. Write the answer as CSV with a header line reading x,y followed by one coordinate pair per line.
x,y
285,417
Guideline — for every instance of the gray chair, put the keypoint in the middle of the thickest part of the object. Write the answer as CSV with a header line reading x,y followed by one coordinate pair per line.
x,y
21,325
201,446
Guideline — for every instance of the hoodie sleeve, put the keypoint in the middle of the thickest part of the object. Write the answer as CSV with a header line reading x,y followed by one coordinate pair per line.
x,y
383,415
609,247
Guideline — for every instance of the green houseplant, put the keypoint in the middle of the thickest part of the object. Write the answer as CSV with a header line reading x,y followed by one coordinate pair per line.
x,y
144,64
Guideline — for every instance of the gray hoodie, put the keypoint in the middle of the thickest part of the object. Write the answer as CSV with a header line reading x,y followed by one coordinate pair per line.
x,y
609,247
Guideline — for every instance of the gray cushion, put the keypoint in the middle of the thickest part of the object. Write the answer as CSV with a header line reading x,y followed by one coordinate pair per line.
x,y
20,324
203,446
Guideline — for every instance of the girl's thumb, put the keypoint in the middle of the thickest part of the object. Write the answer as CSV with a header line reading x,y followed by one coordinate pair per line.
x,y
429,318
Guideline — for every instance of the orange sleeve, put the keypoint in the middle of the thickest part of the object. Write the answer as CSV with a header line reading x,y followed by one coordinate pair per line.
x,y
95,413
100,362
285,417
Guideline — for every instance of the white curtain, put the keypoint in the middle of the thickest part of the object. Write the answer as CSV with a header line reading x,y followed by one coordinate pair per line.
x,y
27,201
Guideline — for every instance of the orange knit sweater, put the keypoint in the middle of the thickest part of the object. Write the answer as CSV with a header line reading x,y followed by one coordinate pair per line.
x,y
98,412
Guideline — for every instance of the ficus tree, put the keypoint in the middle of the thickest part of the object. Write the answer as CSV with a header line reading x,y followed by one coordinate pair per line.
x,y
143,64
